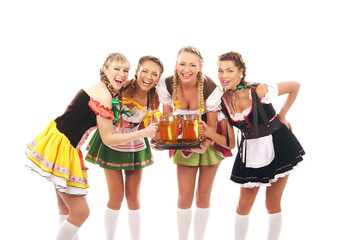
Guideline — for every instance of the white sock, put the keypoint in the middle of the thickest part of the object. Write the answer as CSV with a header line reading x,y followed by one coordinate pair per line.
x,y
241,226
200,222
62,218
67,231
184,217
134,218
274,227
111,220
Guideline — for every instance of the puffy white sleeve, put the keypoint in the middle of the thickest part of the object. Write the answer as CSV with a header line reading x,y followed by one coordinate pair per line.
x,y
272,93
164,97
213,102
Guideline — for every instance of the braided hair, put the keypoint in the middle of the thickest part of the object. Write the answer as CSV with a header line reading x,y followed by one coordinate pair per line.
x,y
122,61
200,77
152,91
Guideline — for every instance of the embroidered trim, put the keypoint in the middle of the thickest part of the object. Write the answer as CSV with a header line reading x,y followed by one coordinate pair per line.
x,y
48,164
56,168
100,161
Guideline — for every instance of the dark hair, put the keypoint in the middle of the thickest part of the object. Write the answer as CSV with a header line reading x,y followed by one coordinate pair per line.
x,y
237,60
152,91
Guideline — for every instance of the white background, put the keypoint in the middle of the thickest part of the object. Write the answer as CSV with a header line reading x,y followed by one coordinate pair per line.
x,y
51,49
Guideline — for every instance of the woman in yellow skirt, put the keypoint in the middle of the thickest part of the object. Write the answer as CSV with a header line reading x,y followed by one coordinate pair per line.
x,y
55,152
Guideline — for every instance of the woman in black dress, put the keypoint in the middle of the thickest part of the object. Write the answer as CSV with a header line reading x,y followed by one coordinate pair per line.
x,y
267,150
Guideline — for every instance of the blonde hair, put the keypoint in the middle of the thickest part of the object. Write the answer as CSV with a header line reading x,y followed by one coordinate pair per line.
x,y
200,77
121,60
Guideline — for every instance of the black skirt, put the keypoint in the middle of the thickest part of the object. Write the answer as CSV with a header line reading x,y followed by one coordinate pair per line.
x,y
288,153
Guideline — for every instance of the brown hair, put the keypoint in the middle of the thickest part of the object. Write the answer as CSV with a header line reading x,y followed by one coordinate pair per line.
x,y
237,60
200,77
152,91
122,61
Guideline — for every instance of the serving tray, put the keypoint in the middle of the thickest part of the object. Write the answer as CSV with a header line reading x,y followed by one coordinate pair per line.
x,y
180,145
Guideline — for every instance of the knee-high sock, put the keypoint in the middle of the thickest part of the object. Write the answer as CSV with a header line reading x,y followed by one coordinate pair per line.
x,y
274,226
67,231
111,220
200,222
241,226
184,218
62,218
134,218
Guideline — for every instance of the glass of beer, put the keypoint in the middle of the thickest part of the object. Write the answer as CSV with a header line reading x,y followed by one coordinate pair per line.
x,y
190,127
169,128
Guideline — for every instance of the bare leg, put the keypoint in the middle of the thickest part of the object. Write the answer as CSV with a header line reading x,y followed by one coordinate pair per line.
x,y
132,188
186,177
274,195
205,184
115,185
77,207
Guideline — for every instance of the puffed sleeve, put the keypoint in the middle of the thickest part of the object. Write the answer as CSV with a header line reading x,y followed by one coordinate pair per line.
x,y
213,102
164,97
101,110
272,93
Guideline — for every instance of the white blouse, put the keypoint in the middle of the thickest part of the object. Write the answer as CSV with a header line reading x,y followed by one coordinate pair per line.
x,y
272,93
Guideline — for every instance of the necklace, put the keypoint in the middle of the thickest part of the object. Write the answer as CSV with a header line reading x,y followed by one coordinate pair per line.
x,y
232,92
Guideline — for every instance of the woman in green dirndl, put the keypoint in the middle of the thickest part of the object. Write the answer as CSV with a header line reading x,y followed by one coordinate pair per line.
x,y
123,163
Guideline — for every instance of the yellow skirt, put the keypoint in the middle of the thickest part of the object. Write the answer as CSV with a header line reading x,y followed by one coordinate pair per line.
x,y
56,159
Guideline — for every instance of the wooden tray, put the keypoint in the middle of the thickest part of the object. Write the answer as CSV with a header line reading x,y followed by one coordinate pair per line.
x,y
180,145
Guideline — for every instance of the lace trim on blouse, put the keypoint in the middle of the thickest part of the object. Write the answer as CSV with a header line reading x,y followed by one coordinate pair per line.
x,y
272,93
212,103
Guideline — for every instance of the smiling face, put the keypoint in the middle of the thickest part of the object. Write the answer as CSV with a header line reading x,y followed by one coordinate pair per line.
x,y
229,74
188,65
116,73
148,75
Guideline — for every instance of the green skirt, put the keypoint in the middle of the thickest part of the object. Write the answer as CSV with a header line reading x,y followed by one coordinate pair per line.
x,y
196,159
108,158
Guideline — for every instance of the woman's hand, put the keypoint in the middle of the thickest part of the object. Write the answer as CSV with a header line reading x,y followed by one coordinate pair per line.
x,y
153,144
203,147
284,121
204,129
150,131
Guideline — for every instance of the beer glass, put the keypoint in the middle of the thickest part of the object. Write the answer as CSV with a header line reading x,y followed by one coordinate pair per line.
x,y
190,127
169,128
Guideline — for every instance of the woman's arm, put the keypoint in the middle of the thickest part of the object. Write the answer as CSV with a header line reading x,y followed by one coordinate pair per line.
x,y
290,88
220,138
109,138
